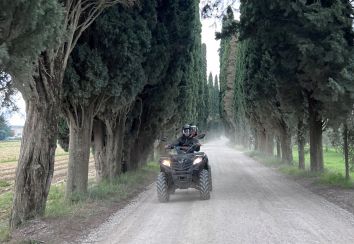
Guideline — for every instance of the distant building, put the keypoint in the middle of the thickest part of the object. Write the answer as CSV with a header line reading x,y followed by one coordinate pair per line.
x,y
16,130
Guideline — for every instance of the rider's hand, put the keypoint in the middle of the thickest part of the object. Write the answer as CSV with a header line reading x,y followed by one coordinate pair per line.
x,y
167,146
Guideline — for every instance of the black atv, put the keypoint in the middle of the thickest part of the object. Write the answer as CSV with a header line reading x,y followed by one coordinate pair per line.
x,y
183,170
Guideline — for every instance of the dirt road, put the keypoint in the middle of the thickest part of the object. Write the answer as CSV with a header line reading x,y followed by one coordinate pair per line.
x,y
249,204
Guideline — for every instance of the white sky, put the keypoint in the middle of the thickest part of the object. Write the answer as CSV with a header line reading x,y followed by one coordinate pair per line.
x,y
209,27
19,117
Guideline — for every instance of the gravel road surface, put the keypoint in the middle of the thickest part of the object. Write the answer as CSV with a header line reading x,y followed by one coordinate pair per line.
x,y
250,203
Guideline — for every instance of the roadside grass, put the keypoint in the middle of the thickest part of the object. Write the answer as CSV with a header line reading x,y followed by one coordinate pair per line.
x,y
119,190
5,209
238,147
4,183
333,174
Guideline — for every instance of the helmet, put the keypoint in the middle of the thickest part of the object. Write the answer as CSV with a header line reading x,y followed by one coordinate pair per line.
x,y
194,130
186,130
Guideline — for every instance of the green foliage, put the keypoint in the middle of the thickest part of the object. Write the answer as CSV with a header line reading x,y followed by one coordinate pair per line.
x,y
333,160
336,138
4,128
307,60
289,55
28,27
335,179
109,60
63,134
7,92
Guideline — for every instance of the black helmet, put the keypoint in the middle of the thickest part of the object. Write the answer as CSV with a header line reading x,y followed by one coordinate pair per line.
x,y
186,130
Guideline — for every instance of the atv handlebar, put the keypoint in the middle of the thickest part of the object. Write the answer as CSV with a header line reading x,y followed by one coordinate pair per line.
x,y
184,149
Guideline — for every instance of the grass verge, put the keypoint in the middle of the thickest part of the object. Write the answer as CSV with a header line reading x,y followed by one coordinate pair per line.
x,y
330,177
4,183
83,206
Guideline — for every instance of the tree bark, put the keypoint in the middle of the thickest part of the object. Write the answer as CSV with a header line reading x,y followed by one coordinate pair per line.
x,y
270,144
346,150
286,152
79,153
132,132
98,132
256,141
316,150
278,149
108,146
301,144
263,141
114,146
35,168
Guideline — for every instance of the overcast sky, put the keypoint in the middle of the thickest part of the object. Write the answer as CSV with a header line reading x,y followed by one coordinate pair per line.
x,y
209,27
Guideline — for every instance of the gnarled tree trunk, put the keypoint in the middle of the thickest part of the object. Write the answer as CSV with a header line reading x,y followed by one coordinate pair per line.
x,y
79,153
286,151
228,99
301,144
316,149
132,132
98,132
39,141
278,148
108,145
263,140
270,144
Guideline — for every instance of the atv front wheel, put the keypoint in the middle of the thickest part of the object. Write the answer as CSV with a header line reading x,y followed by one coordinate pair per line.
x,y
204,185
162,187
210,179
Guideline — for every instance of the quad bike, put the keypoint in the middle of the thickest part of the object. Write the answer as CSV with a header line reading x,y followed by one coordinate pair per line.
x,y
182,170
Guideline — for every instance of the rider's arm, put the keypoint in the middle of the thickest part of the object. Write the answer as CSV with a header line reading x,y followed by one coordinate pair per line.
x,y
196,145
175,143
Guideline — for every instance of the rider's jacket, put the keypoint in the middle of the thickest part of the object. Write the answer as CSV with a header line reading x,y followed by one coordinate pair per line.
x,y
185,141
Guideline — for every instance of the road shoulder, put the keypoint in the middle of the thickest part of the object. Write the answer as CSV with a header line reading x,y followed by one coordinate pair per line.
x,y
339,196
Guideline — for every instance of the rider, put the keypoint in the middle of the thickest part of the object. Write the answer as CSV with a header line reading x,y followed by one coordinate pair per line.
x,y
194,130
186,141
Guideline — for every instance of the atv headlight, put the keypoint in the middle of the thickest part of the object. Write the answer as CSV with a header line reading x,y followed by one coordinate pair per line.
x,y
166,162
197,160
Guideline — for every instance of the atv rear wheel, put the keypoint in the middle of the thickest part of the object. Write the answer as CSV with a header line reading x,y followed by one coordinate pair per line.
x,y
204,185
162,187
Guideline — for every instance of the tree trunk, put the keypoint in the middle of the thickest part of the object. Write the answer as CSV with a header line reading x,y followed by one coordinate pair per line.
x,y
98,132
316,150
270,144
79,154
132,131
286,152
35,168
114,146
108,146
346,150
256,141
263,141
301,144
278,148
